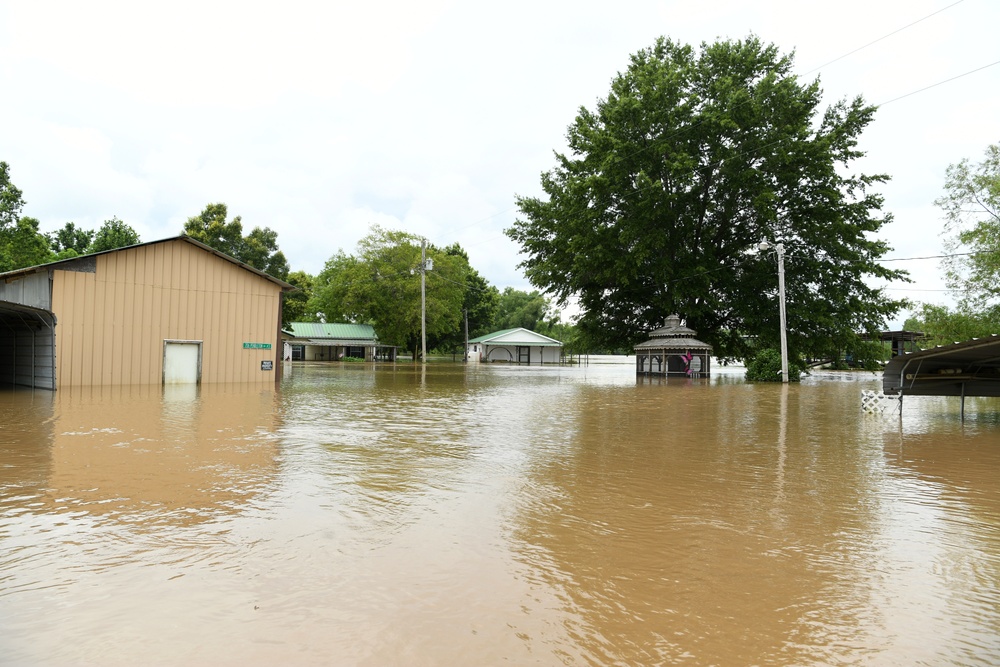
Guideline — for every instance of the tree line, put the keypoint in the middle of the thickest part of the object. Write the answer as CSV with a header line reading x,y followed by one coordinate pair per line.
x,y
378,285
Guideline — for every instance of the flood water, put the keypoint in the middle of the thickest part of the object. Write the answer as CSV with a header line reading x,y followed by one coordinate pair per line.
x,y
498,515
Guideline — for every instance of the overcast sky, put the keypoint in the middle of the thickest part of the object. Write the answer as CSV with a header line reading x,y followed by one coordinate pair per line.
x,y
319,119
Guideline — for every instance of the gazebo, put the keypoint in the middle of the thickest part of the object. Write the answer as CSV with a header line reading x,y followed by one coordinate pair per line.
x,y
672,350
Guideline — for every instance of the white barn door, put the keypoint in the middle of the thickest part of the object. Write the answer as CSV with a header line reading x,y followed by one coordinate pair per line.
x,y
181,362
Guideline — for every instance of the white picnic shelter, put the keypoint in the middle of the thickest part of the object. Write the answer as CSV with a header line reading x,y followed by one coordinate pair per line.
x,y
515,346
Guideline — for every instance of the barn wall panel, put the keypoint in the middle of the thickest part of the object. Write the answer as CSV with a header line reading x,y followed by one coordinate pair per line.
x,y
112,323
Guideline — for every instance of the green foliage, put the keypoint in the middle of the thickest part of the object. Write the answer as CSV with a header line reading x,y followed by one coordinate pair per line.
x,y
517,308
481,299
258,249
972,225
943,326
70,238
765,366
295,306
869,355
674,179
23,245
111,235
381,285
11,201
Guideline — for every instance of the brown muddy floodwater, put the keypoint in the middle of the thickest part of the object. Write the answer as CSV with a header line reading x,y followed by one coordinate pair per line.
x,y
497,515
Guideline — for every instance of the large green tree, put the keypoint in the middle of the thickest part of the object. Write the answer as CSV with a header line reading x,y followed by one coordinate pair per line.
x,y
259,248
380,285
971,205
673,180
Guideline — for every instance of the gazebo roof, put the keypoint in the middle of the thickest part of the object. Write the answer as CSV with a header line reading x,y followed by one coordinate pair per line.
x,y
673,335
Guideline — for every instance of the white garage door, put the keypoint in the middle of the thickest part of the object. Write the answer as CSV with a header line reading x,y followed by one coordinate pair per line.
x,y
181,362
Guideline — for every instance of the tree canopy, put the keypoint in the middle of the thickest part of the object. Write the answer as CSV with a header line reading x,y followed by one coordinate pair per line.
x,y
518,308
971,205
70,241
259,248
113,234
380,285
673,180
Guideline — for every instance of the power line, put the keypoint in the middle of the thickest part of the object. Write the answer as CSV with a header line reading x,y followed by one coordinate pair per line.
x,y
939,83
956,254
795,76
861,48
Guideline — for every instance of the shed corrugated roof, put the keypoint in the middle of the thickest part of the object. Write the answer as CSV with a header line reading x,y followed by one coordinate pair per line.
x,y
333,330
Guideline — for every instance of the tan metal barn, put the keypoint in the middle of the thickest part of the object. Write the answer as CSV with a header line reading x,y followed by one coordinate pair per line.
x,y
169,311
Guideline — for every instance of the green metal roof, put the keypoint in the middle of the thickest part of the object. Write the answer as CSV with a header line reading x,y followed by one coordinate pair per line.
x,y
340,331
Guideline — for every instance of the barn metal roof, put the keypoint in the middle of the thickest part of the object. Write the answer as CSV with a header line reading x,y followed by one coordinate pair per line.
x,y
333,333
286,287
967,368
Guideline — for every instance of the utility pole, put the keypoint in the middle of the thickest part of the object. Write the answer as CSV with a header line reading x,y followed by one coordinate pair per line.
x,y
779,249
465,357
423,301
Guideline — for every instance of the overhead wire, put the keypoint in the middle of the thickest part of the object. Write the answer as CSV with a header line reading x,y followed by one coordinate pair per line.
x,y
778,141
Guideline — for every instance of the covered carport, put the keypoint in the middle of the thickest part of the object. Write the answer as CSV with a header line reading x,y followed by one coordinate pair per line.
x,y
27,346
968,368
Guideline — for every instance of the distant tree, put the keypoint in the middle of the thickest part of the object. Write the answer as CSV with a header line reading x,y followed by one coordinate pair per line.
x,y
70,238
259,248
11,201
480,304
381,286
21,244
971,206
942,325
296,304
25,245
672,181
111,235
517,308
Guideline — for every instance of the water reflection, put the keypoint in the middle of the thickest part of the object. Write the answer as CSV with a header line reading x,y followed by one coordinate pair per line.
x,y
452,514
178,457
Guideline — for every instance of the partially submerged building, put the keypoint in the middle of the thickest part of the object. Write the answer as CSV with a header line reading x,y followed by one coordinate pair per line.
x,y
518,346
169,311
673,350
322,341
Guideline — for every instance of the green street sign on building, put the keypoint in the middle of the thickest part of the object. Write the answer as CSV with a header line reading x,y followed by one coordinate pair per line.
x,y
256,346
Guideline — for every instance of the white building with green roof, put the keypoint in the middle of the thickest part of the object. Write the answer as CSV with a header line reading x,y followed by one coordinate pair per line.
x,y
516,346
332,341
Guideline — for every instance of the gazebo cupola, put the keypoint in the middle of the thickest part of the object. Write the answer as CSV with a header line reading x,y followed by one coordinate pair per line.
x,y
673,350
